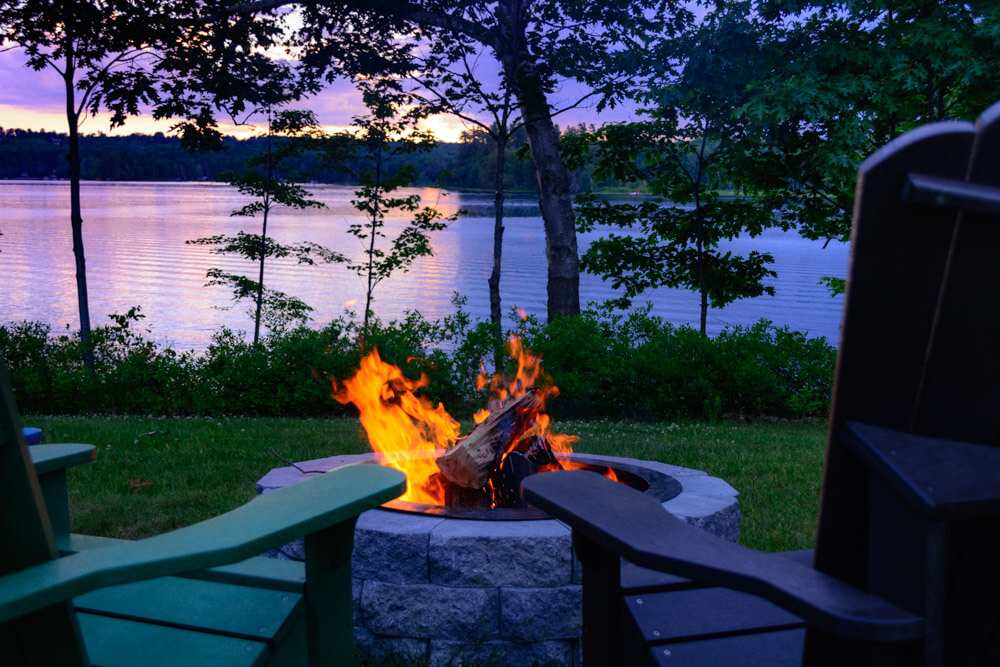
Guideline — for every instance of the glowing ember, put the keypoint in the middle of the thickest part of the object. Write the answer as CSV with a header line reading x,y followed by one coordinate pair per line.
x,y
403,426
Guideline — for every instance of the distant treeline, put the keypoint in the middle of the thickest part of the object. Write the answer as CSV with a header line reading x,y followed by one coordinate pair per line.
x,y
26,154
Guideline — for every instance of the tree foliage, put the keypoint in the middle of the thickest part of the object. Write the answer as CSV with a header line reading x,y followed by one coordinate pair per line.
x,y
103,52
158,157
180,58
686,153
850,77
270,183
461,91
389,130
229,60
537,44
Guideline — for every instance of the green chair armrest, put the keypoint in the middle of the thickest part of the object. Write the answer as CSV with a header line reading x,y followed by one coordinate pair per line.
x,y
48,458
266,521
51,462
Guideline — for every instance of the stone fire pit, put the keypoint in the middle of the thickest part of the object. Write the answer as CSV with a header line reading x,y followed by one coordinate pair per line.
x,y
451,591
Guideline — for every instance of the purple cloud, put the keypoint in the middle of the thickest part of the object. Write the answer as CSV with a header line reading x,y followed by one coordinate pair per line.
x,y
22,86
36,99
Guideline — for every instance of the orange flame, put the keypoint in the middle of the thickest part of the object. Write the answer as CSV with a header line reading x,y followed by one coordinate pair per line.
x,y
400,425
530,375
404,429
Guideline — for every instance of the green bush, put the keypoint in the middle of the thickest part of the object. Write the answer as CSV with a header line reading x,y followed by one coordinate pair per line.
x,y
641,367
636,367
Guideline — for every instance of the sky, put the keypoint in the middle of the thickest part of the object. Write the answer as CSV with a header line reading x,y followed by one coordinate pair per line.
x,y
36,101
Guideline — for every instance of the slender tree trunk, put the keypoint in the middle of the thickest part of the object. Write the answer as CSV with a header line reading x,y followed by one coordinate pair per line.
x,y
699,231
371,246
494,281
260,274
702,285
76,215
371,286
263,237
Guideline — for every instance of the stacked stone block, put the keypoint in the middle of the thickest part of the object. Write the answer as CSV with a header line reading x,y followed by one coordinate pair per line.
x,y
447,591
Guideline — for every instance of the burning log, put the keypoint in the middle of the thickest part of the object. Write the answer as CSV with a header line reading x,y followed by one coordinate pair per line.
x,y
515,467
472,461
529,456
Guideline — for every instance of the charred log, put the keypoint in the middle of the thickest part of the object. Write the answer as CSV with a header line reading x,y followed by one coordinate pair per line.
x,y
472,461
507,483
537,450
459,496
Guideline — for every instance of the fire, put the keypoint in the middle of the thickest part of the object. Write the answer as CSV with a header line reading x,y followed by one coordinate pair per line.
x,y
529,376
404,429
400,424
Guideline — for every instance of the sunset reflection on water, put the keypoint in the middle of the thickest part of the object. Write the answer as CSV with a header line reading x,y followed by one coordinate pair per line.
x,y
134,237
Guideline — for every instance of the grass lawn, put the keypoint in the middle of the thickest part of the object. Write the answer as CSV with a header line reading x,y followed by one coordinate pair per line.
x,y
156,474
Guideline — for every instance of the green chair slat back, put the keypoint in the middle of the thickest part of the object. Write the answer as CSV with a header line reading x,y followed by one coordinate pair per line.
x,y
50,635
121,642
249,612
218,608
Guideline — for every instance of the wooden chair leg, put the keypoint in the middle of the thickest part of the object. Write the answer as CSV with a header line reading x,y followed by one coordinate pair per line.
x,y
29,639
601,602
329,608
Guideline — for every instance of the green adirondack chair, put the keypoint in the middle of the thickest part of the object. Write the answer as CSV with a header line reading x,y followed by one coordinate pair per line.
x,y
153,601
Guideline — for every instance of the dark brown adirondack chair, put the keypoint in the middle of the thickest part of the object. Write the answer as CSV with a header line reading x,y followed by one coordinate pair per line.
x,y
152,602
907,560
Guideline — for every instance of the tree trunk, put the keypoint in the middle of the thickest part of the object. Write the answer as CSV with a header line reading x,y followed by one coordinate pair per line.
x,y
371,247
260,274
263,237
76,215
702,289
494,281
528,87
700,232
553,199
508,40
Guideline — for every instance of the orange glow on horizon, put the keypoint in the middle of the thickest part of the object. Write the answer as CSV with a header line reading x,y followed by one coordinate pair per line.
x,y
445,128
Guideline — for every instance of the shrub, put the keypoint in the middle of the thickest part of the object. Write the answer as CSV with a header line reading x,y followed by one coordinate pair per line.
x,y
641,367
635,366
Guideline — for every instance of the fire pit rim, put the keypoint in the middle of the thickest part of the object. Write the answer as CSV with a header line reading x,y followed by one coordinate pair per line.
x,y
661,486
705,501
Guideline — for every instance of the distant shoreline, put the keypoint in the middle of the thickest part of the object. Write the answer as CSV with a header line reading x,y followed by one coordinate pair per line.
x,y
508,191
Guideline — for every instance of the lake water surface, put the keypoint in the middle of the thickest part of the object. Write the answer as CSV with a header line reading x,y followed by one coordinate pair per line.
x,y
134,236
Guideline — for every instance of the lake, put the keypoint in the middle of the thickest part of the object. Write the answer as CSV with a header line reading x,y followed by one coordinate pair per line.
x,y
134,236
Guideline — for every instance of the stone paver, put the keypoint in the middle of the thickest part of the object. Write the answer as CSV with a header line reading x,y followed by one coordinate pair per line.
x,y
461,592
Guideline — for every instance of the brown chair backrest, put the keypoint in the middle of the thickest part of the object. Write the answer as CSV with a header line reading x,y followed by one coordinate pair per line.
x,y
919,352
